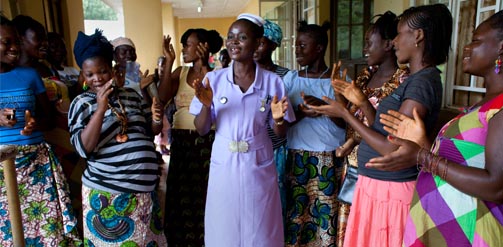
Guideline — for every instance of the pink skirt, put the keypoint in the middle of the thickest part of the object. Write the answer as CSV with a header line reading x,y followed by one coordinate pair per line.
x,y
378,213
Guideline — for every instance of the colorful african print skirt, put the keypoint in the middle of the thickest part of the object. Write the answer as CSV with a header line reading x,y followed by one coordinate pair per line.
x,y
124,219
280,155
186,187
48,217
312,183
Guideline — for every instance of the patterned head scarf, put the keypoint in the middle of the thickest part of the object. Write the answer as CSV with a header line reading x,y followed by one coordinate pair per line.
x,y
272,32
95,45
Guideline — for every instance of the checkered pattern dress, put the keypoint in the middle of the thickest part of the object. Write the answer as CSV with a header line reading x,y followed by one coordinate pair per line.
x,y
440,214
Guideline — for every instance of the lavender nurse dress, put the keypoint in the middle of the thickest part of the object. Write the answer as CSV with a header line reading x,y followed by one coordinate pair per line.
x,y
243,204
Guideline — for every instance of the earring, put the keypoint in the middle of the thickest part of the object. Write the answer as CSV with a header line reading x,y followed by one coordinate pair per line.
x,y
416,45
497,65
85,86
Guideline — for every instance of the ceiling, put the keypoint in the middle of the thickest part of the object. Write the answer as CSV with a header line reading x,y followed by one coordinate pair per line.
x,y
210,8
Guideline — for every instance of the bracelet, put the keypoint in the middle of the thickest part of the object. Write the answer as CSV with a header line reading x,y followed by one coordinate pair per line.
x,y
156,122
279,122
419,165
436,164
444,172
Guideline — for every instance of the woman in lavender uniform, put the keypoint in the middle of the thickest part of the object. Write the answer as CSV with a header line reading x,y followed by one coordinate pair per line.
x,y
243,204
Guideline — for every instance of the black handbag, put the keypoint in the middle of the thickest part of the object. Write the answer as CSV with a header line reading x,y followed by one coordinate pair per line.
x,y
348,185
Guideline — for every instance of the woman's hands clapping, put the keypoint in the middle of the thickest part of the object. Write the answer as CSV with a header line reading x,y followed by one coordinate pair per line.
x,y
350,91
203,92
402,126
29,124
168,51
202,53
409,134
306,108
404,157
334,108
7,118
278,107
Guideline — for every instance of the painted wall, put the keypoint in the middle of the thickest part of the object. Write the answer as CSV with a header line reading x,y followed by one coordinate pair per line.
x,y
5,8
142,25
253,7
34,9
169,26
396,6
73,23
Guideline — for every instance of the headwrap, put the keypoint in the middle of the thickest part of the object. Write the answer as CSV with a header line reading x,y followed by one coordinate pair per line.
x,y
122,41
253,18
272,31
95,45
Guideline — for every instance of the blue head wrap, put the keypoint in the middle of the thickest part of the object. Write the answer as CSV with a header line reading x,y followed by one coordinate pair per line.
x,y
272,31
95,45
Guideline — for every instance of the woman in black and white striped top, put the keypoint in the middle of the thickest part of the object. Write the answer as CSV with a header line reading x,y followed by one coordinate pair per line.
x,y
113,129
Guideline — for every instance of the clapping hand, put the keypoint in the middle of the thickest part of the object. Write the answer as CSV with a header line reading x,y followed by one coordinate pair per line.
x,y
334,108
404,157
339,77
7,117
168,51
336,75
202,52
203,92
306,109
146,79
402,126
350,91
29,124
278,107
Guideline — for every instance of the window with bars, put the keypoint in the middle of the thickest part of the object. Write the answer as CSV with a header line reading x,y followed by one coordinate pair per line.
x,y
280,12
350,19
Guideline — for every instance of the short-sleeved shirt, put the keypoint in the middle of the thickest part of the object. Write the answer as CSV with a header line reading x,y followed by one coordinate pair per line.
x,y
313,134
128,167
425,87
18,90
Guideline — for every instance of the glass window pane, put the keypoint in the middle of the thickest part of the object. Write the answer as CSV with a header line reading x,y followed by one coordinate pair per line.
x,y
343,42
308,3
310,16
343,12
487,3
357,41
485,15
479,82
357,12
466,98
